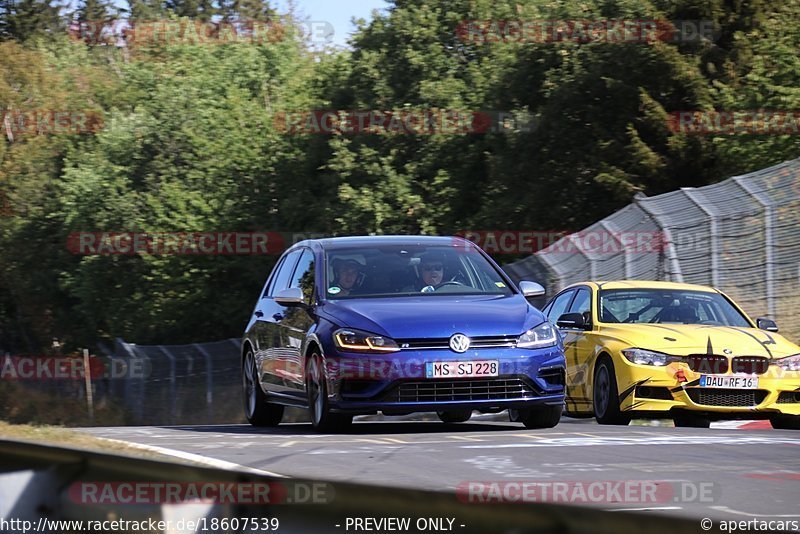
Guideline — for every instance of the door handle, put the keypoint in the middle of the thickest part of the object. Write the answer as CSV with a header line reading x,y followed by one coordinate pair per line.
x,y
278,317
259,313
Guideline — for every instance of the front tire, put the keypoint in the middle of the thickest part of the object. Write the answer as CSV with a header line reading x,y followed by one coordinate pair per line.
x,y
785,422
542,417
606,397
691,421
258,411
321,417
455,416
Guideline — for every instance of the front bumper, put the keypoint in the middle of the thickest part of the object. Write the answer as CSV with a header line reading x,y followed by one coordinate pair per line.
x,y
396,382
659,389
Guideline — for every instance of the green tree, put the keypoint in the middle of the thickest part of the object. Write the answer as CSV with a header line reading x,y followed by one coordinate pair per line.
x,y
21,20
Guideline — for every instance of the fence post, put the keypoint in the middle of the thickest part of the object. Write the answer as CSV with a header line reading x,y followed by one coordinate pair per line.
x,y
87,377
173,394
713,231
769,221
672,256
209,381
138,404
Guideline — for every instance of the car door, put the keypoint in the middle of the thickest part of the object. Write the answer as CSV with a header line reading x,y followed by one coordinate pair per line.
x,y
269,314
296,321
579,350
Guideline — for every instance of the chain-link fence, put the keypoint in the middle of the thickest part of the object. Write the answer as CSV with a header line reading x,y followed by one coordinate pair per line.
x,y
181,384
741,235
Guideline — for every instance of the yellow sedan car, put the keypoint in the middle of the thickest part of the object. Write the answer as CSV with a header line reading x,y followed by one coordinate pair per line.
x,y
671,350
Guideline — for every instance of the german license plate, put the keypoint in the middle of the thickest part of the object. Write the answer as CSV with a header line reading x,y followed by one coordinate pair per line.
x,y
476,368
729,382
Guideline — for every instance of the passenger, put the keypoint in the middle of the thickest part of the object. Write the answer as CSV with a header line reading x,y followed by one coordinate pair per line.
x,y
348,276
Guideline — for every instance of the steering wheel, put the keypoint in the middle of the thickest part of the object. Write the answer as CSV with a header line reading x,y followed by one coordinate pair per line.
x,y
450,283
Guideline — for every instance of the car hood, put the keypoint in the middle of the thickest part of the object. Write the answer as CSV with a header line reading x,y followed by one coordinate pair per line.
x,y
435,316
680,339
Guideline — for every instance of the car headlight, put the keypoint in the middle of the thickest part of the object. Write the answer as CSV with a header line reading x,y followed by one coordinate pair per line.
x,y
350,339
544,335
649,357
789,363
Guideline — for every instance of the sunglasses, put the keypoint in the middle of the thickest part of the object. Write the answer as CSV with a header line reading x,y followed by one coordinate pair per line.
x,y
433,267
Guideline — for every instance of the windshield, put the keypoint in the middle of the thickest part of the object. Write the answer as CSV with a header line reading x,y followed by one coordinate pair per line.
x,y
405,270
668,306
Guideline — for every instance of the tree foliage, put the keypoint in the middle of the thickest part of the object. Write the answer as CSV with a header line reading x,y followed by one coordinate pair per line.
x,y
191,141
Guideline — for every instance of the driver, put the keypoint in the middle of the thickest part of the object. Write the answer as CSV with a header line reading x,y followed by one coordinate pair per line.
x,y
431,271
348,275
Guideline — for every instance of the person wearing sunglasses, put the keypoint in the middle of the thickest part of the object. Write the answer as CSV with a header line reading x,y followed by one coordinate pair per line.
x,y
431,272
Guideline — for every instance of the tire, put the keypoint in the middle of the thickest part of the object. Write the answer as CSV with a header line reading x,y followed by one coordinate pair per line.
x,y
455,416
317,390
605,397
543,417
785,422
257,410
691,421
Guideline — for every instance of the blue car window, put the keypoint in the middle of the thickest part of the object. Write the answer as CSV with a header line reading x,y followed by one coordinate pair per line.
x,y
304,275
410,270
280,279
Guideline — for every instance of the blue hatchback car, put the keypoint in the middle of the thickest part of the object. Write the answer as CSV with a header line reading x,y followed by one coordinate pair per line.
x,y
398,324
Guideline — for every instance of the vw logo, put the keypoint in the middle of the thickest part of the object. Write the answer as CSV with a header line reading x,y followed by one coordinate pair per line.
x,y
727,351
459,342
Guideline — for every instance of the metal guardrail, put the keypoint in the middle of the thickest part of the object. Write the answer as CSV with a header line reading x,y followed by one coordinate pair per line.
x,y
36,482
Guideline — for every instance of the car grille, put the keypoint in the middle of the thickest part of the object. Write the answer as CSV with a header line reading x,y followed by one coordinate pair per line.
x,y
444,342
751,365
707,363
789,397
726,397
461,390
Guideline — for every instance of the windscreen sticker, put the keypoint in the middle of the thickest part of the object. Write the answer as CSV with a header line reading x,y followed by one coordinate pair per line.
x,y
334,290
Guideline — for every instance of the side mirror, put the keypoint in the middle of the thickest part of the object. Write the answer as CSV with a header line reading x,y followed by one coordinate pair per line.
x,y
292,296
572,320
766,324
531,289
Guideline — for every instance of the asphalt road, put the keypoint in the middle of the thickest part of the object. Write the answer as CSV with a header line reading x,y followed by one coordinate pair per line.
x,y
718,473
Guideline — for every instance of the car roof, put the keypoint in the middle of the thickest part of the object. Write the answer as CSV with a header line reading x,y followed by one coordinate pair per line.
x,y
646,284
331,243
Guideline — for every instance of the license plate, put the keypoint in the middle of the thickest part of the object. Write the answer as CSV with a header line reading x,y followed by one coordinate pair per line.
x,y
472,369
729,382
